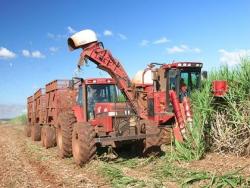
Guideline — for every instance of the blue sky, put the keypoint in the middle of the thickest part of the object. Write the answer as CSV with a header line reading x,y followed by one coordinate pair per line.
x,y
33,37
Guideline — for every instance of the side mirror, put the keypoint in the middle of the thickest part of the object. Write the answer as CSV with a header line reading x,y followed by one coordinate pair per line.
x,y
204,75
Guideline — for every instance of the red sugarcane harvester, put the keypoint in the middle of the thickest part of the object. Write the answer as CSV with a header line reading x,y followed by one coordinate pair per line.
x,y
156,101
152,105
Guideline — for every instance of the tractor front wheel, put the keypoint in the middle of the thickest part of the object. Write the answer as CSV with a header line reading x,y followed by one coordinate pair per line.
x,y
64,129
83,143
36,132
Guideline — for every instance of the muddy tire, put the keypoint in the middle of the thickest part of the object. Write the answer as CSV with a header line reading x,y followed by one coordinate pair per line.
x,y
42,135
83,143
48,136
27,130
36,132
64,129
152,144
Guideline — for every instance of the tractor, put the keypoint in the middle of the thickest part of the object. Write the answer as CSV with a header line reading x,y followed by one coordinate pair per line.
x,y
155,102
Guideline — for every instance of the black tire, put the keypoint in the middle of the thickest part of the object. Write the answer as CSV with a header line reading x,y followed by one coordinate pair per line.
x,y
64,129
48,136
152,144
137,148
36,132
83,143
27,130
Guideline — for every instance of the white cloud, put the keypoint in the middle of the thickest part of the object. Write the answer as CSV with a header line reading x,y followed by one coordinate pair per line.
x,y
183,48
175,49
144,43
37,54
53,49
233,57
71,30
107,33
34,54
26,53
161,41
6,54
122,36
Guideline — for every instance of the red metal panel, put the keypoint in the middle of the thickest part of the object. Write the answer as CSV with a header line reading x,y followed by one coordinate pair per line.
x,y
180,125
30,110
39,106
220,88
111,107
78,111
57,84
59,97
93,81
182,64
104,123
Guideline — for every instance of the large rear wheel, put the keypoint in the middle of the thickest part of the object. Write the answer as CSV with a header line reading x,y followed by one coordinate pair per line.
x,y
83,143
36,132
64,129
48,136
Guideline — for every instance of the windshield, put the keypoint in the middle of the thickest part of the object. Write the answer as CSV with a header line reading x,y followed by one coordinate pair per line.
x,y
183,82
99,94
190,79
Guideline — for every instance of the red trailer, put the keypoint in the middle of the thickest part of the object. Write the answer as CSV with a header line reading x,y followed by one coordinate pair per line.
x,y
30,115
39,114
59,97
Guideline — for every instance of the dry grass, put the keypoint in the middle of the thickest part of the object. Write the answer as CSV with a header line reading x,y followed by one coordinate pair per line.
x,y
228,136
230,121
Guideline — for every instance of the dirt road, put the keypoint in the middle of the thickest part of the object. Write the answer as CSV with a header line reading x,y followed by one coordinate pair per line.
x,y
24,163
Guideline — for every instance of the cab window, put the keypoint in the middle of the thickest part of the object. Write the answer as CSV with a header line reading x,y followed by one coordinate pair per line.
x,y
191,80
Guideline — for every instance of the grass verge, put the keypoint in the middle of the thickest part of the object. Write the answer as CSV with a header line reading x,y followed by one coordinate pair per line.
x,y
22,119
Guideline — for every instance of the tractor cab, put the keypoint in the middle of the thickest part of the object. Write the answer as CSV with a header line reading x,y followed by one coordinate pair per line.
x,y
91,92
99,93
172,83
183,78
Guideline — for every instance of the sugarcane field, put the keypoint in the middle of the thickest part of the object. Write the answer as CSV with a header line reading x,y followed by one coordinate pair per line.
x,y
125,94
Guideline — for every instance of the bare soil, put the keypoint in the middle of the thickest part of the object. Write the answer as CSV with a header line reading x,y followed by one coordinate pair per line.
x,y
221,164
24,163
